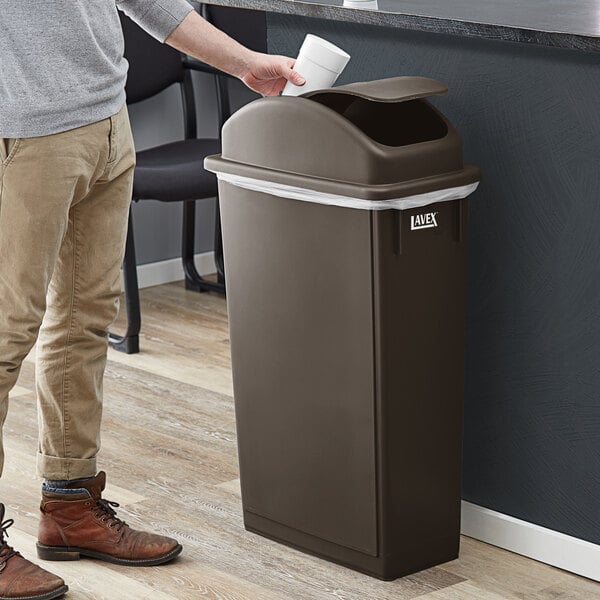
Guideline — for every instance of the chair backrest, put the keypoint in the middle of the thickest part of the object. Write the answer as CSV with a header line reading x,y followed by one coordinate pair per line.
x,y
152,66
248,27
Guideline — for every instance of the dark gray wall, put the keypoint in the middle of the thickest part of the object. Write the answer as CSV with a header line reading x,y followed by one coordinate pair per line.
x,y
529,116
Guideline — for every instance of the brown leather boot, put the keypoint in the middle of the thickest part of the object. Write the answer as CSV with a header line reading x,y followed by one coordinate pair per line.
x,y
79,524
20,578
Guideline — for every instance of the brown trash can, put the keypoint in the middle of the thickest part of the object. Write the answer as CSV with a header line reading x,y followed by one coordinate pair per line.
x,y
344,222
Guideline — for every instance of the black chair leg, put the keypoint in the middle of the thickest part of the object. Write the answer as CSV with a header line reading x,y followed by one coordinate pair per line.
x,y
193,280
129,343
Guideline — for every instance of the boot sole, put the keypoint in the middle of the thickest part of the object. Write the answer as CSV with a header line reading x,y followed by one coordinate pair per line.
x,y
74,553
61,591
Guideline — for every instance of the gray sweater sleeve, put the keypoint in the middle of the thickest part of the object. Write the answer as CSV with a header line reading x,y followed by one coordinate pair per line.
x,y
158,17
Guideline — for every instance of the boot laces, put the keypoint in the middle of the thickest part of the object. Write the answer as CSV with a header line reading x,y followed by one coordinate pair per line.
x,y
6,551
105,509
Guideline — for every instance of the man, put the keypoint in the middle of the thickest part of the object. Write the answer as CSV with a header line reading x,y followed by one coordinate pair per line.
x,y
66,168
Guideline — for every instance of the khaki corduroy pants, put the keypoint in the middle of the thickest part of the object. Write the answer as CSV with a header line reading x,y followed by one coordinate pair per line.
x,y
64,205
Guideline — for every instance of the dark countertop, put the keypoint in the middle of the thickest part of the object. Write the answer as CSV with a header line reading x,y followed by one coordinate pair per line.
x,y
558,23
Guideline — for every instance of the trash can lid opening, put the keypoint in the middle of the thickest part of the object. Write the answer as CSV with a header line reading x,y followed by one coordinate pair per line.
x,y
390,124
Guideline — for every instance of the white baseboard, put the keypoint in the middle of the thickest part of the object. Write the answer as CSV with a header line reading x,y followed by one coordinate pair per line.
x,y
547,546
167,271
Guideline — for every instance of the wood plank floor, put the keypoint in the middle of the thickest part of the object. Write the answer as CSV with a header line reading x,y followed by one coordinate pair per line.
x,y
170,452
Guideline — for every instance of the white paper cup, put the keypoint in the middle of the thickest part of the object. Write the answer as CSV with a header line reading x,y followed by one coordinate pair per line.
x,y
320,63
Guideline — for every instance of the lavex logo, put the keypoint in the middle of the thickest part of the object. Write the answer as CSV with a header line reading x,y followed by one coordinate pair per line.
x,y
424,221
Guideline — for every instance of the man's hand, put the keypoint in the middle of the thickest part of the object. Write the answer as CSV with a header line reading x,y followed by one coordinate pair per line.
x,y
268,75
262,73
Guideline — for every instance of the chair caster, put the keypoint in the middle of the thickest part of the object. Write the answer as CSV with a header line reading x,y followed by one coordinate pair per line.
x,y
127,344
203,285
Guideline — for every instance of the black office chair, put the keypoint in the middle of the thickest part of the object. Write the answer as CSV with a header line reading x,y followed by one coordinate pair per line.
x,y
171,172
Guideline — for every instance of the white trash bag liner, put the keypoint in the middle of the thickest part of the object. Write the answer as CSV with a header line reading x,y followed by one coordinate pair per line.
x,y
306,195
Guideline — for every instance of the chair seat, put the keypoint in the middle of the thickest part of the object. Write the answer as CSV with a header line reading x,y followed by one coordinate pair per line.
x,y
175,172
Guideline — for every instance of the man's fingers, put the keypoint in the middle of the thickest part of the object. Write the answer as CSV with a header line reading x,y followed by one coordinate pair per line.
x,y
296,78
292,75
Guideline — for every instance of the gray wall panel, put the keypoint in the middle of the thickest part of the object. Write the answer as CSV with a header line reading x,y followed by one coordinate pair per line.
x,y
529,117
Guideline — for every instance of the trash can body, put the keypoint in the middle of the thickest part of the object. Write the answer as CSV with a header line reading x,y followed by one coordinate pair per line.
x,y
347,335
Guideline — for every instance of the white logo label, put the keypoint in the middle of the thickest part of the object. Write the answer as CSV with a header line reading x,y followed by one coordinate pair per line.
x,y
424,221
